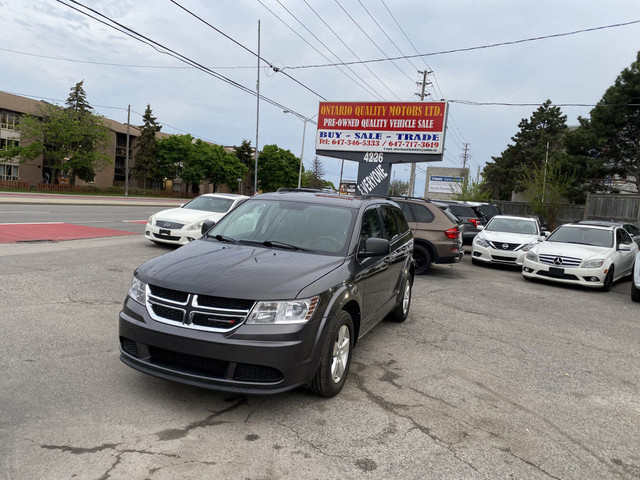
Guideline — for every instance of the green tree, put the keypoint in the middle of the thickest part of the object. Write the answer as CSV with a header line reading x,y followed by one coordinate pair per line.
x,y
472,191
218,166
546,125
147,155
546,188
609,141
314,178
277,168
398,188
71,139
173,158
245,154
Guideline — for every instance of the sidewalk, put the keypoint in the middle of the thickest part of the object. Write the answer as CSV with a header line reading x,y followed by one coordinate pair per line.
x,y
62,199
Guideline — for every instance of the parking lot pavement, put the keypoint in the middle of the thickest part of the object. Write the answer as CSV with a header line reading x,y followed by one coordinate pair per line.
x,y
491,377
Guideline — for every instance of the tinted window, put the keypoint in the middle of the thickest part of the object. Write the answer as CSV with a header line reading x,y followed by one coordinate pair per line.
x,y
623,237
422,214
462,211
403,226
371,227
389,222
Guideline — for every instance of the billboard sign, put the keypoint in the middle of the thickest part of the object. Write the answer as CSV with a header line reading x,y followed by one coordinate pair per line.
x,y
441,184
402,131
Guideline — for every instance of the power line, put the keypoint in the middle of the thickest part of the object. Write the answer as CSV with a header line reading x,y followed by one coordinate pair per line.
x,y
481,47
165,50
362,85
275,69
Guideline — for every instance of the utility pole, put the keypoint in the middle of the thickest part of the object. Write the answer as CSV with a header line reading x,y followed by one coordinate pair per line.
x,y
424,83
126,161
255,176
465,156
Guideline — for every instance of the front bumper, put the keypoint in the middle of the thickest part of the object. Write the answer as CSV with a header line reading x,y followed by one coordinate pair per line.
x,y
250,359
492,255
171,236
587,277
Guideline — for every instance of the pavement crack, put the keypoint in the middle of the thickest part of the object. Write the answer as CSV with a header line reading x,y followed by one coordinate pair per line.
x,y
537,467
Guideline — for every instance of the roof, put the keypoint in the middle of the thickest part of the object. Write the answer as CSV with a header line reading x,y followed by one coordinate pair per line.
x,y
18,104
321,197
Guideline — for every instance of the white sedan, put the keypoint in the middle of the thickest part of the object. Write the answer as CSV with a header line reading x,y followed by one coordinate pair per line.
x,y
179,226
635,281
505,239
588,255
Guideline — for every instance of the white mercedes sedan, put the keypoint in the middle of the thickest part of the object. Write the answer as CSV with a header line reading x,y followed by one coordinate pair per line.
x,y
505,239
589,255
179,226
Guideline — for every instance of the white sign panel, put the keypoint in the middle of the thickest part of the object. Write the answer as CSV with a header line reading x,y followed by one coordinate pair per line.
x,y
440,184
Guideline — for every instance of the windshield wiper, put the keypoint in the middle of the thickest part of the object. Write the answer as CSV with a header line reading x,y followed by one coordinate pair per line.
x,y
277,243
222,238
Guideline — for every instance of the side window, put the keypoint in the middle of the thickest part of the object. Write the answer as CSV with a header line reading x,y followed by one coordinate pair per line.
x,y
423,214
632,229
403,226
390,227
408,211
371,227
622,237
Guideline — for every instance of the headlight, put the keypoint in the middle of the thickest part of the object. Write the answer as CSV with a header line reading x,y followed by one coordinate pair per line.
x,y
151,219
528,247
531,256
482,242
138,291
598,263
294,311
195,226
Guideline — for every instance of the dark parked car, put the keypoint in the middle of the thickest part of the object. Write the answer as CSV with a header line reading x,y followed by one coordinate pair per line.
x,y
469,218
436,232
273,297
629,227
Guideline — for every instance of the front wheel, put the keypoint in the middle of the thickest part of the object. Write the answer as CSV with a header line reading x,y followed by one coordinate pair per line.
x,y
401,310
335,358
608,280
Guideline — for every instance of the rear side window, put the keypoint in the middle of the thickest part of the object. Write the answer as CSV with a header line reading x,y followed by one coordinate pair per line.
x,y
408,211
423,214
462,211
389,222
401,221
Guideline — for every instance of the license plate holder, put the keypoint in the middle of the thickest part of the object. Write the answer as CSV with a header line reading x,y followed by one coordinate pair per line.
x,y
165,232
556,272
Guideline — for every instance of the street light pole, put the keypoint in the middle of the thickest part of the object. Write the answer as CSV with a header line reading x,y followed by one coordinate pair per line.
x,y
304,131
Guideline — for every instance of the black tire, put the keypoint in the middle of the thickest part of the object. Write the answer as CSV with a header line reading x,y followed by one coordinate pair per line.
x,y
401,311
335,358
608,280
421,259
475,262
635,292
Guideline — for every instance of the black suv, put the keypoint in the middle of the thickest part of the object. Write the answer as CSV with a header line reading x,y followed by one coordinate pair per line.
x,y
272,297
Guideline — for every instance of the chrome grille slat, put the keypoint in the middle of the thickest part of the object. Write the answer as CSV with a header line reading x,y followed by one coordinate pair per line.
x,y
183,309
169,224
560,261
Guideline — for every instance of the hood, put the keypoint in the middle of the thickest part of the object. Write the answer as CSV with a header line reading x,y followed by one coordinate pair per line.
x,y
506,237
229,270
187,216
584,252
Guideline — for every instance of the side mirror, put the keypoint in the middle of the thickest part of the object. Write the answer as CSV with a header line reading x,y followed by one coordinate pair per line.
x,y
480,227
375,247
624,247
206,226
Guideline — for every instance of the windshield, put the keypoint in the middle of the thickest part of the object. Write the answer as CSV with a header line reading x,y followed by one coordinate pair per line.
x,y
512,225
210,204
583,236
284,224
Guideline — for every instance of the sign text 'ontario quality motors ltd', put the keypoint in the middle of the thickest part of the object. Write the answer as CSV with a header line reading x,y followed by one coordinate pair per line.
x,y
399,127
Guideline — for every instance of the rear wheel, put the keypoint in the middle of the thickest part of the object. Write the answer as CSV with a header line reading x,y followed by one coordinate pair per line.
x,y
401,311
421,259
335,358
608,280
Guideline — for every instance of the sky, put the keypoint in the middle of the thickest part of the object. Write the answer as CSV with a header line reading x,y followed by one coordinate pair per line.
x,y
46,47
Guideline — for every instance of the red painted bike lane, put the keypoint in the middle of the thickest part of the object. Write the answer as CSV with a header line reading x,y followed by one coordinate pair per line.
x,y
55,232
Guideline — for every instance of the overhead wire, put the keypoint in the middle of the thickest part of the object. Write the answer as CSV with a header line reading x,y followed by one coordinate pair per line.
x,y
165,50
362,85
377,77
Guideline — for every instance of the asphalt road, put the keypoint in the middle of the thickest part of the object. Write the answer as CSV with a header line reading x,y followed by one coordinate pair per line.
x,y
490,377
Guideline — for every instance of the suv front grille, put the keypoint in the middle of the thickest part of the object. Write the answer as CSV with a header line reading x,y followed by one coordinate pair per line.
x,y
199,312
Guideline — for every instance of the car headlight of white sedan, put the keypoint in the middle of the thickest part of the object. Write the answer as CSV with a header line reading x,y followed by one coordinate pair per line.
x,y
597,263
195,226
482,242
531,255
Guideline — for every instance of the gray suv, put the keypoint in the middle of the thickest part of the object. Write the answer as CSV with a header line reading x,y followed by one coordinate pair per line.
x,y
272,297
